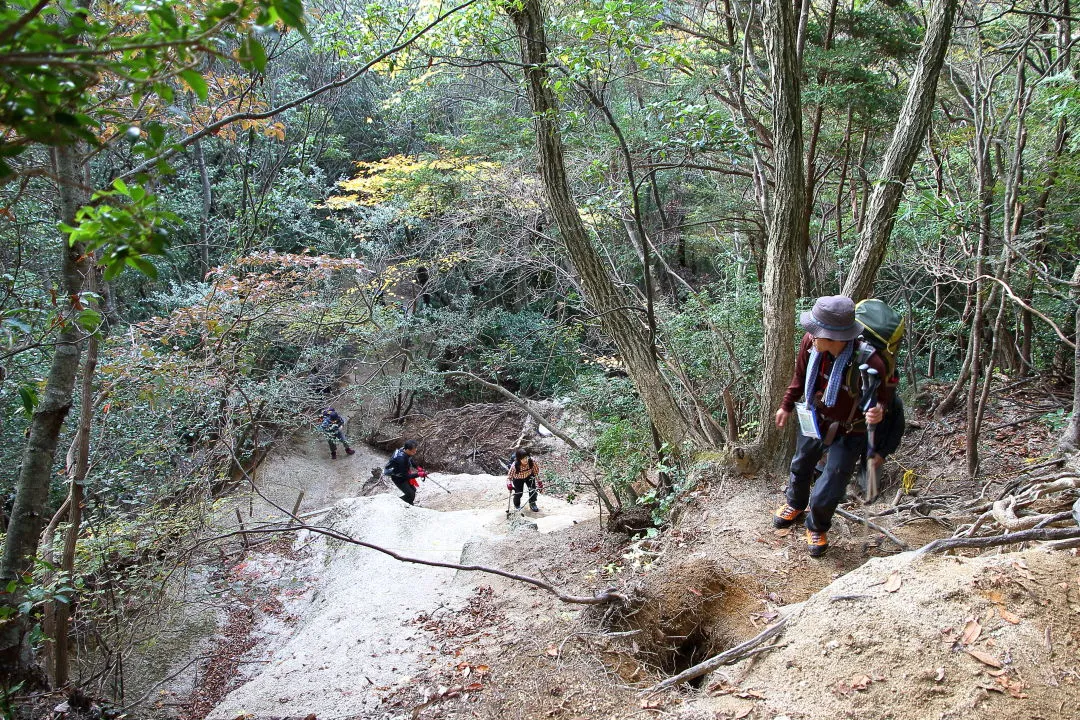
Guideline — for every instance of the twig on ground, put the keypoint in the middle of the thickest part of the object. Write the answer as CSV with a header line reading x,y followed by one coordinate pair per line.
x,y
873,526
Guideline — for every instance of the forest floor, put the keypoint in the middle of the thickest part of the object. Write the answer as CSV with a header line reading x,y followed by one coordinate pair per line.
x,y
329,630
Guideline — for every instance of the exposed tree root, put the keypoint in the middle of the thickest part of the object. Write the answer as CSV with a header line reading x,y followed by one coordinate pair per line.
x,y
1069,533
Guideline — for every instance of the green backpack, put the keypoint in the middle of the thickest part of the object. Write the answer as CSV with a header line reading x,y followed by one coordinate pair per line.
x,y
884,331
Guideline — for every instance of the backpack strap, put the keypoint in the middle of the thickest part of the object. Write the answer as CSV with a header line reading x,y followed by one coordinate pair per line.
x,y
862,354
865,350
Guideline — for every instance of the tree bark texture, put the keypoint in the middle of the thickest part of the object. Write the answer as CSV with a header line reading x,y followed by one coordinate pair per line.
x,y
78,474
612,305
782,257
915,116
204,209
35,474
1071,439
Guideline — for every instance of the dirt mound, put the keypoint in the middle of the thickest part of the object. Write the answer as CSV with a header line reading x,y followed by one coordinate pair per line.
x,y
932,637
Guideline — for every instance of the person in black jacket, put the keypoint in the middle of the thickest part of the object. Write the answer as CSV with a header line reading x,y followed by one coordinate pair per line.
x,y
403,471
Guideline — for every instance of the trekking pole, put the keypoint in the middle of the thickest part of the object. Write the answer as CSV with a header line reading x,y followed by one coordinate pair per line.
x,y
425,476
871,381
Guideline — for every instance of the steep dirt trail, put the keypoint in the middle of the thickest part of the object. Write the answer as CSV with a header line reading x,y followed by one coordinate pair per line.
x,y
340,631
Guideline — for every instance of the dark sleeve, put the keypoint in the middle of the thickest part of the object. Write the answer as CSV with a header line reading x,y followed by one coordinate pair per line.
x,y
890,431
798,380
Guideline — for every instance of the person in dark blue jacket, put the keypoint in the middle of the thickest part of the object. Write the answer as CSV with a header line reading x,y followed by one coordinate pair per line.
x,y
333,426
403,471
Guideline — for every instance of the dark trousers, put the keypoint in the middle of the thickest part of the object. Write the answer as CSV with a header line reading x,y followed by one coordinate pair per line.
x,y
831,487
519,487
335,434
408,492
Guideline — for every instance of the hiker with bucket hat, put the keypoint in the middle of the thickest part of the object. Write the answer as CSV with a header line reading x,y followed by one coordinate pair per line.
x,y
829,418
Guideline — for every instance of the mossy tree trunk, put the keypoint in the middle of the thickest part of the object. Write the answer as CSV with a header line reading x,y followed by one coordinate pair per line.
x,y
615,310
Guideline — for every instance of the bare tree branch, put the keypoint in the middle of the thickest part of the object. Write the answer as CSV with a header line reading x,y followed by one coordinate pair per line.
x,y
606,596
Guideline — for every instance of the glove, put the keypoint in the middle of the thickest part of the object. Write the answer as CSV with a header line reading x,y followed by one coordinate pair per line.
x,y
510,486
421,473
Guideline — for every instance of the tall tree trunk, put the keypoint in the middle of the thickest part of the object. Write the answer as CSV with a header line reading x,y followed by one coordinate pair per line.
x,y
903,149
1070,441
982,104
782,258
75,497
611,304
32,489
204,210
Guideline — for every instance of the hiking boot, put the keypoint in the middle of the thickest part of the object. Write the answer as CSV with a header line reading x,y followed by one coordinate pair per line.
x,y
532,506
786,516
350,451
817,542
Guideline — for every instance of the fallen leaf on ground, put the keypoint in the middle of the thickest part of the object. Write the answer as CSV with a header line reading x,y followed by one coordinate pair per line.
x,y
856,683
552,651
1008,616
743,713
972,630
783,532
695,591
1015,688
985,658
750,694
893,583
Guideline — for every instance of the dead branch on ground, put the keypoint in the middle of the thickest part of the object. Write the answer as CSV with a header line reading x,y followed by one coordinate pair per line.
x,y
728,657
873,526
1070,533
608,595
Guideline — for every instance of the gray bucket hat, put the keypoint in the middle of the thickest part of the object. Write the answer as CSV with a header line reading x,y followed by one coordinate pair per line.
x,y
833,317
